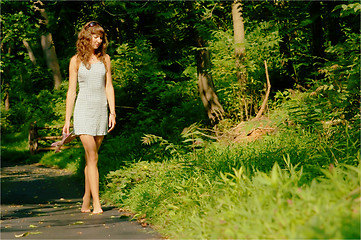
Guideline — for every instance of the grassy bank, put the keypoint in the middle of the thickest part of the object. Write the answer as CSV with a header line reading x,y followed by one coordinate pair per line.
x,y
15,150
251,191
295,183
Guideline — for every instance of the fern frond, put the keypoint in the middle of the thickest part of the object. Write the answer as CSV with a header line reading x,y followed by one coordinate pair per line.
x,y
149,139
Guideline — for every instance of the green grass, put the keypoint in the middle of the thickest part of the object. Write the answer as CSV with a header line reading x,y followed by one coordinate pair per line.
x,y
294,184
15,148
71,159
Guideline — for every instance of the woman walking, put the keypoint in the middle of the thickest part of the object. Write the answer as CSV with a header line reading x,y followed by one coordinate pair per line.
x,y
91,67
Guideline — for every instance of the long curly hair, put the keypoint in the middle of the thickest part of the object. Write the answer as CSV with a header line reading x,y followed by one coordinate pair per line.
x,y
83,45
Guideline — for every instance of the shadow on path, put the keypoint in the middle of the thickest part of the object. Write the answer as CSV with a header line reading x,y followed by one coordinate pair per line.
x,y
44,203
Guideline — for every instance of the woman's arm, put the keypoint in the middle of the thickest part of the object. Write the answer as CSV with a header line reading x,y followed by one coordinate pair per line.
x,y
70,97
109,90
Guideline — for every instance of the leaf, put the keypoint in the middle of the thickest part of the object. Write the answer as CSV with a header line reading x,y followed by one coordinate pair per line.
x,y
21,235
275,174
32,226
78,223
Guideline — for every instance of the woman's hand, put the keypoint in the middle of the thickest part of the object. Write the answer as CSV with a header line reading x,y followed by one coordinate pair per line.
x,y
112,121
66,128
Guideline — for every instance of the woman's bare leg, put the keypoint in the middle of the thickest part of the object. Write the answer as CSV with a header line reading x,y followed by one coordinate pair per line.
x,y
91,145
87,194
85,208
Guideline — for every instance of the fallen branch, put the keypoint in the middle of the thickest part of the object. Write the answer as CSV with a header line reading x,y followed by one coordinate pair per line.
x,y
263,107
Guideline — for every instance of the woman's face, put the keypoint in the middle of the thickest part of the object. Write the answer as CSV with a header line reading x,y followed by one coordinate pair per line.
x,y
96,41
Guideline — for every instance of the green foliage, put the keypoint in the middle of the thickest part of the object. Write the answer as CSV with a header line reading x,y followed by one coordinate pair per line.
x,y
150,139
47,108
28,86
237,204
349,9
143,85
342,78
298,183
262,43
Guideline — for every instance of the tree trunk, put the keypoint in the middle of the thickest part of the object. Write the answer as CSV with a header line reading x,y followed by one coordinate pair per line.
x,y
333,24
49,48
51,58
30,52
318,49
7,98
6,86
239,41
205,84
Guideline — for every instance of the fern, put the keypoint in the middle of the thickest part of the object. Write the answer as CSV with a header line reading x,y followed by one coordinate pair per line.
x,y
150,139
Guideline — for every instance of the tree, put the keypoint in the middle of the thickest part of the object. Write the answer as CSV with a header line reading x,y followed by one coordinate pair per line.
x,y
30,51
239,41
205,84
17,30
318,41
48,47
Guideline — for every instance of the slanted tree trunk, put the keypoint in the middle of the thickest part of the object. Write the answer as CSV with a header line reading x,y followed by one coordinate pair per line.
x,y
30,52
49,48
205,84
51,58
239,41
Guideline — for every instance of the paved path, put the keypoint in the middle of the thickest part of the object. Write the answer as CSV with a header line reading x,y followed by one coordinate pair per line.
x,y
43,203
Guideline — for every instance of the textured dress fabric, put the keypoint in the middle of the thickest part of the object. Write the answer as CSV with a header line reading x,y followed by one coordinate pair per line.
x,y
91,108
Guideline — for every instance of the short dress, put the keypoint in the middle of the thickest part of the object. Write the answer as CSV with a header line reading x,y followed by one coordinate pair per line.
x,y
91,107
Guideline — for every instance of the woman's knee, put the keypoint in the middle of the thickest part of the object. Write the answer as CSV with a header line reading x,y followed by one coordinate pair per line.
x,y
91,157
90,147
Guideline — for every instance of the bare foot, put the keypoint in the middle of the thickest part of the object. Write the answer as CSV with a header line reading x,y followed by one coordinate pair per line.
x,y
97,207
98,211
85,208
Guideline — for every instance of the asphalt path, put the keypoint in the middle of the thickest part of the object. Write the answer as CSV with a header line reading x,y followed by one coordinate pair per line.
x,y
44,203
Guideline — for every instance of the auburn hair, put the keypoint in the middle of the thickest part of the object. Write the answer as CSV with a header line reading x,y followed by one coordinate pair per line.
x,y
83,44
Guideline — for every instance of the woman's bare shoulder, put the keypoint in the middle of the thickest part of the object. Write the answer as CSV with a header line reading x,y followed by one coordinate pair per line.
x,y
107,61
75,61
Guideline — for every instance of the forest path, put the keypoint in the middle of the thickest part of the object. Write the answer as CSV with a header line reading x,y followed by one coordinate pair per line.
x,y
43,203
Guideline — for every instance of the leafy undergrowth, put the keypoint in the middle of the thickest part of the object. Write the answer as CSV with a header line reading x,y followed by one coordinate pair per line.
x,y
295,183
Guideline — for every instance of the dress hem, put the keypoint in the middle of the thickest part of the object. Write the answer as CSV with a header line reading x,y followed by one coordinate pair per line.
x,y
94,135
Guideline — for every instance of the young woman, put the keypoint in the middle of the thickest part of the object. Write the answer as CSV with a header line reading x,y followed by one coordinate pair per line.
x,y
91,68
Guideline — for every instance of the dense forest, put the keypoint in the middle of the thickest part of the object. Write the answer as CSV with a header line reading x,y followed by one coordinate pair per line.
x,y
235,119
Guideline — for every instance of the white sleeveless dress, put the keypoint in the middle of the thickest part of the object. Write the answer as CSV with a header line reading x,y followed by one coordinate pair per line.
x,y
91,107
